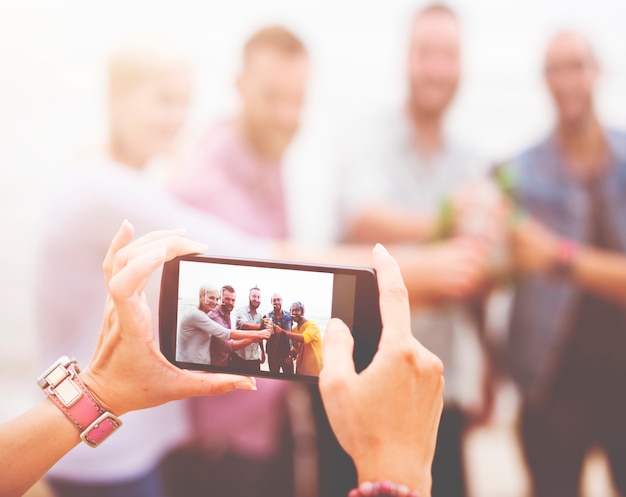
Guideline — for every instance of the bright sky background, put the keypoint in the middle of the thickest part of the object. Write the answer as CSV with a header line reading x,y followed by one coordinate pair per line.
x,y
314,290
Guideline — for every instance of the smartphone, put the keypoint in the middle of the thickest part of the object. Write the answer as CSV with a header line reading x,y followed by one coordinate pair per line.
x,y
263,318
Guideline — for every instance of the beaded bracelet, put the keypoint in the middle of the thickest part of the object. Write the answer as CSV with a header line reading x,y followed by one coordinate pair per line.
x,y
382,489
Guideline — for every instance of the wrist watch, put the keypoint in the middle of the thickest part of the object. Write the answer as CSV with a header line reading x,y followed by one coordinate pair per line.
x,y
63,385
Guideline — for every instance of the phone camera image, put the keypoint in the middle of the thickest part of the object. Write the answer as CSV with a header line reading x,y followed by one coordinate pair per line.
x,y
256,317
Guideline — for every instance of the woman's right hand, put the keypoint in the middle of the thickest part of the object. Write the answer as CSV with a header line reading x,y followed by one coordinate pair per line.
x,y
387,416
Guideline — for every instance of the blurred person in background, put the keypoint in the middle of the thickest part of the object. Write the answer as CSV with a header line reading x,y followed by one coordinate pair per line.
x,y
390,189
148,94
237,172
568,323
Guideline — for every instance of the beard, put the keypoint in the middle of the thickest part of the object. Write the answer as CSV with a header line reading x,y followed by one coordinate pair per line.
x,y
269,140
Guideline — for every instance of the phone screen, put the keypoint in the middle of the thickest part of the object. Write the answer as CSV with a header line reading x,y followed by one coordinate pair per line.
x,y
260,317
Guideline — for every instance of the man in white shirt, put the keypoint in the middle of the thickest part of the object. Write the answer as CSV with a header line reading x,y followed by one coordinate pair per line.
x,y
391,185
250,358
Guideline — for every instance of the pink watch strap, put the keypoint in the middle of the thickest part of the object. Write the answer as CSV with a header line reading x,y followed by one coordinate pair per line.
x,y
63,385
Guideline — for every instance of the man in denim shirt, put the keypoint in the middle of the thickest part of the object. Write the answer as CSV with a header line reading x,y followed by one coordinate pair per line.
x,y
568,327
278,345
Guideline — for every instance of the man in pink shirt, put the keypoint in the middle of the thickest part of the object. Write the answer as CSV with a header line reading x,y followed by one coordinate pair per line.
x,y
236,173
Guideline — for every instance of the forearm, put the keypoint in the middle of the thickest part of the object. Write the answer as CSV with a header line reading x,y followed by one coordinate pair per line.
x,y
537,250
415,263
240,344
251,335
386,224
601,272
32,444
296,337
251,326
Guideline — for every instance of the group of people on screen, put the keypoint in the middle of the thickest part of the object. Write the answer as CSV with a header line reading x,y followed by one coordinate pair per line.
x,y
291,343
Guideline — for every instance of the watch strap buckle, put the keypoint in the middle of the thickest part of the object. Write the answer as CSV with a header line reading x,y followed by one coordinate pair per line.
x,y
62,384
100,429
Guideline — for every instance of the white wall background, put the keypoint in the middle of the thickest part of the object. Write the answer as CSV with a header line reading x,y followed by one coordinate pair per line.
x,y
52,55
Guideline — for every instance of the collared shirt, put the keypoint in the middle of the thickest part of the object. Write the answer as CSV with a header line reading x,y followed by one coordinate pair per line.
x,y
382,165
227,178
279,344
543,307
221,349
309,361
194,337
243,315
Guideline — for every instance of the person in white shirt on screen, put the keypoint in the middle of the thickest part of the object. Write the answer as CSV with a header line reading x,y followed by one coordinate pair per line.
x,y
198,330
250,358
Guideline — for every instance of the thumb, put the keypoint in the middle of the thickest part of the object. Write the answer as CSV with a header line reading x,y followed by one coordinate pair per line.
x,y
337,351
197,383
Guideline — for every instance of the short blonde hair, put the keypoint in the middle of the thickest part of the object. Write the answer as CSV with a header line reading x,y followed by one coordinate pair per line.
x,y
208,287
134,60
276,38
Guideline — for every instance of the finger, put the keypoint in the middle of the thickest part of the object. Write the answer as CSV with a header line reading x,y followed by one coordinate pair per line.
x,y
144,244
121,239
152,237
197,383
337,349
175,245
394,301
125,285
157,235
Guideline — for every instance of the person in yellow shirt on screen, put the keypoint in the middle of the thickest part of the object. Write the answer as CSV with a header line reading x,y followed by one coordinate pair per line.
x,y
307,342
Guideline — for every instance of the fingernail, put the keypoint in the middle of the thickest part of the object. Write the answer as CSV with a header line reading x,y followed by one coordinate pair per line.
x,y
335,325
200,248
380,249
249,384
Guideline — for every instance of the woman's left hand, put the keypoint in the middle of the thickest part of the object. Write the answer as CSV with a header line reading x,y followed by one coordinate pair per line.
x,y
127,371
